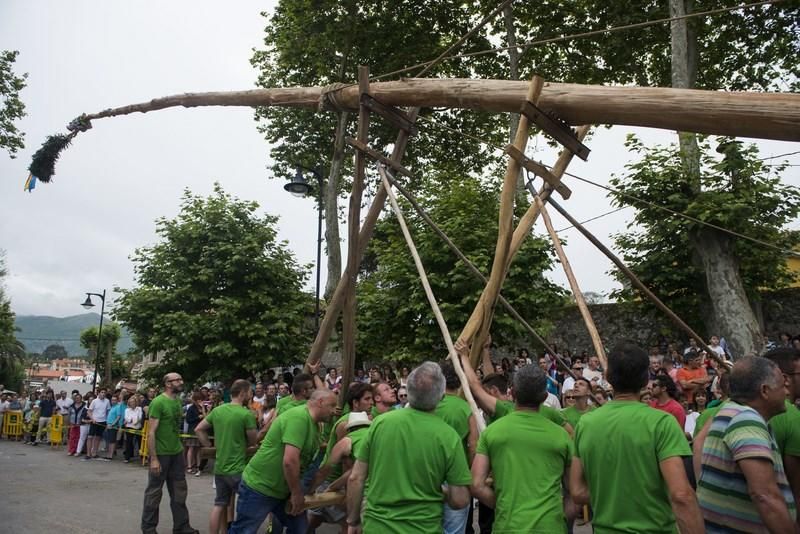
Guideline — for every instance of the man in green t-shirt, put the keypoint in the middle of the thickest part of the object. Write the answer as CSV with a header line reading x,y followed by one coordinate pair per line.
x,y
234,430
271,480
528,456
456,412
408,455
581,392
166,459
628,461
302,388
786,426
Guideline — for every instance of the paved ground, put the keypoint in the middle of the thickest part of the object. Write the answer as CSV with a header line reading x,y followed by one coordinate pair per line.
x,y
46,491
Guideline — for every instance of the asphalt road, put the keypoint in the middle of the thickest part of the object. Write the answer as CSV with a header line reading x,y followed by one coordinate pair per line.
x,y
45,491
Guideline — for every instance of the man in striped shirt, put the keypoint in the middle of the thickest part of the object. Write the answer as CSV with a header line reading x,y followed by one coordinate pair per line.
x,y
742,486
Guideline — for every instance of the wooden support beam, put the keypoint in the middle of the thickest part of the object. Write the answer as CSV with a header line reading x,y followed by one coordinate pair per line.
x,y
477,328
377,156
539,170
555,129
638,283
394,116
353,257
573,282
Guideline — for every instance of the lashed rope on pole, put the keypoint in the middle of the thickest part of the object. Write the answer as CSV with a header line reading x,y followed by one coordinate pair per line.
x,y
451,351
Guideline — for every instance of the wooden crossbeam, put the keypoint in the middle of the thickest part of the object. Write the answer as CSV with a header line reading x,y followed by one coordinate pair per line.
x,y
396,117
539,170
377,156
555,129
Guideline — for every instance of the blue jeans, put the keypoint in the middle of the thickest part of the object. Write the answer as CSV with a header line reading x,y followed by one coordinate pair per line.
x,y
454,521
253,507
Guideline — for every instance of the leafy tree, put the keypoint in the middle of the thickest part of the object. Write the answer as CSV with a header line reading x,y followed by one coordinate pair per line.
x,y
11,107
108,345
738,191
57,352
12,351
219,294
395,319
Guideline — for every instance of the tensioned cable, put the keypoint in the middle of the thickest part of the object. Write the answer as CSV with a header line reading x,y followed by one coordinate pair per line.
x,y
613,29
627,195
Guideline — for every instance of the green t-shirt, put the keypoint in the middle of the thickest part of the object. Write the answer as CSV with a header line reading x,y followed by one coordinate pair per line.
x,y
703,418
573,415
336,472
410,455
264,472
621,446
231,423
528,456
503,408
455,412
168,413
287,403
356,436
375,413
786,429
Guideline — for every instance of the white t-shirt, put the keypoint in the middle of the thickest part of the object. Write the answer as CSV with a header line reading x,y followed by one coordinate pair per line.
x,y
691,422
260,400
590,375
552,401
99,409
133,417
569,383
63,405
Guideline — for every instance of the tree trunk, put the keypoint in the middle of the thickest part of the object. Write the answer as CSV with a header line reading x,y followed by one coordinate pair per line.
x,y
513,64
727,312
332,239
737,114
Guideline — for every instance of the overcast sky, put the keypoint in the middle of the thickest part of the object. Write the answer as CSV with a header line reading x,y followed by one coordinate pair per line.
x,y
76,234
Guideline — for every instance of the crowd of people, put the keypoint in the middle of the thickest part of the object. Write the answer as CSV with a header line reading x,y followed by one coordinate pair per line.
x,y
649,442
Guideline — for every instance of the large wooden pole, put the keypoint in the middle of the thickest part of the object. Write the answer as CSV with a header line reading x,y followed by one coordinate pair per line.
x,y
573,284
477,328
637,283
738,114
353,257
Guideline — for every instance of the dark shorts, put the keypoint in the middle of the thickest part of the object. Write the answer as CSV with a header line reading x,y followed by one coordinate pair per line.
x,y
97,429
110,435
227,486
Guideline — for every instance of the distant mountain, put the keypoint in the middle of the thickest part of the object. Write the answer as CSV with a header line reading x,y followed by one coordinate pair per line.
x,y
39,331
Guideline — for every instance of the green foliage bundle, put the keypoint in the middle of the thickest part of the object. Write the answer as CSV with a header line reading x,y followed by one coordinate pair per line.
x,y
219,294
11,107
395,321
737,191
12,351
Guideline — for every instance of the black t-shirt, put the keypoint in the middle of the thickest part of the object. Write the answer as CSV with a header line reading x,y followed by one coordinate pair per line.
x,y
46,407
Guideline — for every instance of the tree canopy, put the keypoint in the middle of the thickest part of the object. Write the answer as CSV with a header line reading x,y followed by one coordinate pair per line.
x,y
394,317
218,293
739,191
11,107
12,351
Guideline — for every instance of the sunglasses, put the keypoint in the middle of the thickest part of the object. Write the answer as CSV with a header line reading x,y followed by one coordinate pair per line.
x,y
403,396
577,368
570,398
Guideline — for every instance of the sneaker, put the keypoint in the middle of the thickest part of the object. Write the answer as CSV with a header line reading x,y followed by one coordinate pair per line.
x,y
35,443
102,459
85,459
197,473
126,461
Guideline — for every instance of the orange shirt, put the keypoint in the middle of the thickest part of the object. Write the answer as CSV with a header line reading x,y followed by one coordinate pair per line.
x,y
686,374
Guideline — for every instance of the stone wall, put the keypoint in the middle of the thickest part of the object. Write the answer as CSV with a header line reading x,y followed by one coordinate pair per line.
x,y
779,312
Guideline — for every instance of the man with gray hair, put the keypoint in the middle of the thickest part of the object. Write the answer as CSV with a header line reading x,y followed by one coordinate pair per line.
x,y
742,484
529,455
408,455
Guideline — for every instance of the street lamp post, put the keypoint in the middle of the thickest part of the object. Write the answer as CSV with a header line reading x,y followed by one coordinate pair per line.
x,y
89,304
300,187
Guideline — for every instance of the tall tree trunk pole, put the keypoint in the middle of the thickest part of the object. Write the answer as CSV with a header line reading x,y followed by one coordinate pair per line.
x,y
573,283
332,208
728,311
353,256
477,328
513,64
635,280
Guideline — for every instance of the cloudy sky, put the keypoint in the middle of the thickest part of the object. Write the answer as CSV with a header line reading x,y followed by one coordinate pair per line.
x,y
76,234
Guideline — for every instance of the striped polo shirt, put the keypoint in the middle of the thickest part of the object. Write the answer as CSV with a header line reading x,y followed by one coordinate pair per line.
x,y
737,432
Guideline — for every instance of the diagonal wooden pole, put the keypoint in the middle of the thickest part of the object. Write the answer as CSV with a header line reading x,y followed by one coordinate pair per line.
x,y
477,328
451,351
573,283
475,271
638,283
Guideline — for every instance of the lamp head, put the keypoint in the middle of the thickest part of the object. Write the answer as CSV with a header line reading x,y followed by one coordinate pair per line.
x,y
88,302
299,186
